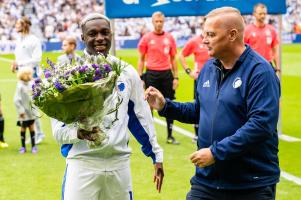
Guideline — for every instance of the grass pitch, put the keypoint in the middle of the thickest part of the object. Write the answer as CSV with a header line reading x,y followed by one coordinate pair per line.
x,y
38,177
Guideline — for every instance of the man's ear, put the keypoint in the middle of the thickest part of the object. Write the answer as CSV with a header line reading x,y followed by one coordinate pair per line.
x,y
233,34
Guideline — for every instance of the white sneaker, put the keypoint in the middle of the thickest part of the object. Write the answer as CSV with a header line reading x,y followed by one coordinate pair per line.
x,y
39,138
195,139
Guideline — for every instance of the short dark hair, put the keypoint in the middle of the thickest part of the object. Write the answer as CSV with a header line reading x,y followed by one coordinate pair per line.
x,y
258,5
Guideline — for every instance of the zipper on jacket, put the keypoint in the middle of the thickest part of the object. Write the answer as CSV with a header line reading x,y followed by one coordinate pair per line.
x,y
220,80
221,77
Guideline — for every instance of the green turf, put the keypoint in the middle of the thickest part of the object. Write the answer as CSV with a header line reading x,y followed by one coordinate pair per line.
x,y
38,177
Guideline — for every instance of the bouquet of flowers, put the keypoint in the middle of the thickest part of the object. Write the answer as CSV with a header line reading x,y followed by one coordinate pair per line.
x,y
80,93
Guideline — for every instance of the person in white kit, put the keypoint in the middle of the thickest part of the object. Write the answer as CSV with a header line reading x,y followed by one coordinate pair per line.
x,y
28,53
104,172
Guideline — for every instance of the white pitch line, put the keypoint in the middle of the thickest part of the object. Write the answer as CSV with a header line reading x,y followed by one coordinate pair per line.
x,y
290,177
176,128
288,138
6,59
284,174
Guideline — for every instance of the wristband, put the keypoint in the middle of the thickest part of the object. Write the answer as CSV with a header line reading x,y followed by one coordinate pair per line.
x,y
188,70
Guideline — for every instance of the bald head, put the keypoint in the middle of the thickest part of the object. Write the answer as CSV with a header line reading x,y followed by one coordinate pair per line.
x,y
229,18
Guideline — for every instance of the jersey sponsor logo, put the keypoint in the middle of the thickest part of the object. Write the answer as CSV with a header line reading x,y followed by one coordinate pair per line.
x,y
202,46
166,50
166,41
152,42
206,84
268,33
237,82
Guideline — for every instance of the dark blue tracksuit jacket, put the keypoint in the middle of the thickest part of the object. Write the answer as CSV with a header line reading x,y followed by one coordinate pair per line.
x,y
237,114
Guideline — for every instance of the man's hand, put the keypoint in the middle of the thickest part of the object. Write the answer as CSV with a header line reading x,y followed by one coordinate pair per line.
x,y
194,74
202,157
154,98
13,66
158,176
175,84
88,135
22,115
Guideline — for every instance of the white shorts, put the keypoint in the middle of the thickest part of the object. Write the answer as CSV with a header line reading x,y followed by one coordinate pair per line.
x,y
85,183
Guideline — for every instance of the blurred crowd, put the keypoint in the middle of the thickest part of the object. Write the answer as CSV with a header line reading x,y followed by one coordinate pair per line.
x,y
53,20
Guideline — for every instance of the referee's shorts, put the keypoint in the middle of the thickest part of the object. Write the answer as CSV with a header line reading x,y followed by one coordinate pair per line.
x,y
162,80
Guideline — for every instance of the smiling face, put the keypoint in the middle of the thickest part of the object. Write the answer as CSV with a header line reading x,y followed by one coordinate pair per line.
x,y
97,36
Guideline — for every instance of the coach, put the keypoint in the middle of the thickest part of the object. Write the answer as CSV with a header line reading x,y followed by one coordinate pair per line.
x,y
237,109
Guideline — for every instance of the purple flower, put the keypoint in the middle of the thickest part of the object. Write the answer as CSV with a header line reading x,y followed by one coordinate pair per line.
x,y
66,75
98,72
35,95
38,80
95,78
95,66
70,56
50,63
47,73
59,86
83,69
107,67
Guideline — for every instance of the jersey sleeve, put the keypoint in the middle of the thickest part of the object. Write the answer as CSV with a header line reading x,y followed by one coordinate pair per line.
x,y
63,133
188,48
142,45
140,120
173,50
275,40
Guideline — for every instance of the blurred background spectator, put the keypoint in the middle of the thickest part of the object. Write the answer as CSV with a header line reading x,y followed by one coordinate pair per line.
x,y
53,20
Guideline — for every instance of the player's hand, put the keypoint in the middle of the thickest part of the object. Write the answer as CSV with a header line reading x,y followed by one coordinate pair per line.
x,y
202,157
158,176
88,135
175,84
22,115
154,98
